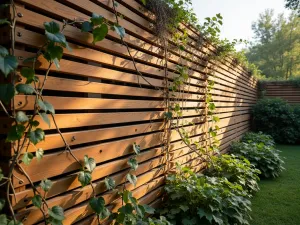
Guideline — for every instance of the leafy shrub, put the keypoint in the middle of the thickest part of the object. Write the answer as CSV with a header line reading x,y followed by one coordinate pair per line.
x,y
278,119
236,170
258,138
196,199
263,157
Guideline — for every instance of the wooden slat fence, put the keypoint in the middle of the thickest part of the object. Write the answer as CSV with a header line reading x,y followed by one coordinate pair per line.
x,y
287,90
103,106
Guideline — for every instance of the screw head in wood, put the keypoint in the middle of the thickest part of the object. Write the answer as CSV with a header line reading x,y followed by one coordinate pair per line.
x,y
20,14
19,34
20,57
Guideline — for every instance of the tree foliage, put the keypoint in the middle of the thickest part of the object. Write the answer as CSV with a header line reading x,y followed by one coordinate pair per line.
x,y
293,4
277,45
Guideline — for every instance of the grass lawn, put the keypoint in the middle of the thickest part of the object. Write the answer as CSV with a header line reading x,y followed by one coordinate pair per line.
x,y
278,201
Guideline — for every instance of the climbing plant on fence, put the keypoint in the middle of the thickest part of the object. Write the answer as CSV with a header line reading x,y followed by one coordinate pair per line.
x,y
26,130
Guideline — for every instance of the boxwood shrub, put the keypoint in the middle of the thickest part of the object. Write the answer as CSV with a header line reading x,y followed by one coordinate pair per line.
x,y
277,118
263,157
236,170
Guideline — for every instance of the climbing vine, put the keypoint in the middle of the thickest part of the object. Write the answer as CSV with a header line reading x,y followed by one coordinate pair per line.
x,y
26,130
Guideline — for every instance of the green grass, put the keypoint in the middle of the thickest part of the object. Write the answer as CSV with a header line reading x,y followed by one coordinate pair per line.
x,y
278,201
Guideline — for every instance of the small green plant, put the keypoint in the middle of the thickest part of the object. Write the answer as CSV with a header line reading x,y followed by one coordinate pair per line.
x,y
258,138
278,119
197,199
263,157
236,170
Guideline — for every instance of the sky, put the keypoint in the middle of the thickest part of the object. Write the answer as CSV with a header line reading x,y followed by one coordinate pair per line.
x,y
238,15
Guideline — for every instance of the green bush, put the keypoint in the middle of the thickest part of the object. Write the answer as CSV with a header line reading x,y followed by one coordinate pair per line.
x,y
278,119
196,199
258,138
263,157
236,170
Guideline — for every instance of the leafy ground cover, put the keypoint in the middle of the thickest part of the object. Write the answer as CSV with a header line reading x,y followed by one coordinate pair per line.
x,y
278,201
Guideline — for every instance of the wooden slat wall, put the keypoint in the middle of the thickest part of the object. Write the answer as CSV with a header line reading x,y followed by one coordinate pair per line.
x,y
284,90
103,106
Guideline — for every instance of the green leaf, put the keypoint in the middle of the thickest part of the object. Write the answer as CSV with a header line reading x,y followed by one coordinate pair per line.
x,y
110,183
97,204
25,89
3,219
3,51
2,204
21,117
7,92
37,201
39,154
46,185
55,52
133,163
140,210
120,31
4,21
46,106
1,175
126,209
100,33
34,123
89,163
86,26
36,136
97,19
136,148
45,118
149,209
8,64
144,2
131,178
56,37
28,73
15,133
57,213
52,27
27,157
84,178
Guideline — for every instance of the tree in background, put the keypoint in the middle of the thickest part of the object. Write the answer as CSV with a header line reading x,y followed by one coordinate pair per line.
x,y
293,5
277,45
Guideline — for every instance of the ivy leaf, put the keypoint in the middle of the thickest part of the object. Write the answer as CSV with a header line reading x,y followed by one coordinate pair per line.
x,y
46,185
7,92
100,33
109,183
28,73
45,117
131,178
37,201
136,148
46,106
15,133
144,2
53,33
8,64
27,157
2,203
140,210
57,213
1,176
3,219
4,21
84,178
149,209
39,154
97,19
126,209
21,117
34,123
55,51
97,204
89,163
26,89
120,31
86,26
36,136
3,51
133,163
